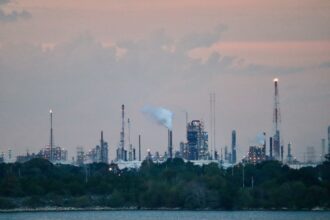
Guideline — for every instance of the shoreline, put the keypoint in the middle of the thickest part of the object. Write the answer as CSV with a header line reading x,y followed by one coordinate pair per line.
x,y
73,209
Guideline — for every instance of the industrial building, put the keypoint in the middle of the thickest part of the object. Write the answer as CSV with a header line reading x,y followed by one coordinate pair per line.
x,y
196,147
256,155
55,154
25,158
310,155
227,155
80,160
289,156
99,154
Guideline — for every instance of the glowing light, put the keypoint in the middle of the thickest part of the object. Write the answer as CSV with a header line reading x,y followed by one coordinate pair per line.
x,y
276,80
50,111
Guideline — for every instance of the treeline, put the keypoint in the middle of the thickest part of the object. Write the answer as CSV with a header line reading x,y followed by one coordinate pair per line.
x,y
174,184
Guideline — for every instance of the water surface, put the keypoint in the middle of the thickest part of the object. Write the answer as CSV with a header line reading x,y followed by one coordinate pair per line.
x,y
166,215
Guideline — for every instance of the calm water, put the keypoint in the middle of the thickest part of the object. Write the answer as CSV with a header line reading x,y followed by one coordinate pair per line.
x,y
162,215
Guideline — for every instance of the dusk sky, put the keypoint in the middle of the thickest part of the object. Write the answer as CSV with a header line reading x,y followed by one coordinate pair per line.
x,y
85,58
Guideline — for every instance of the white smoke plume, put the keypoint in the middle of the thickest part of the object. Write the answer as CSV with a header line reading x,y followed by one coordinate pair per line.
x,y
160,115
260,138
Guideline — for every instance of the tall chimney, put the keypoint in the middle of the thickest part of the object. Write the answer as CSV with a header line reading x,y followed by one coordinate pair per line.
x,y
233,147
102,141
264,146
170,146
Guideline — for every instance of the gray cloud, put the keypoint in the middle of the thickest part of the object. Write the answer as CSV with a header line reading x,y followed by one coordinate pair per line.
x,y
13,15
195,40
324,65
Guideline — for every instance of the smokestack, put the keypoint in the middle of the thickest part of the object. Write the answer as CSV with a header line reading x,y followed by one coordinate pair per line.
x,y
139,147
101,147
233,146
289,149
289,157
170,146
264,145
102,141
282,151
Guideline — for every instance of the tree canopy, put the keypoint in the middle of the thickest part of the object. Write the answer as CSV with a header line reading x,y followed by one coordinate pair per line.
x,y
173,184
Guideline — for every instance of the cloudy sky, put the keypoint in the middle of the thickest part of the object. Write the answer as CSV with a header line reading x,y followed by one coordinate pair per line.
x,y
85,58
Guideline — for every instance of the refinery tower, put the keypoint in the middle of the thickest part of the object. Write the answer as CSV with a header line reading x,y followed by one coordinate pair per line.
x,y
276,123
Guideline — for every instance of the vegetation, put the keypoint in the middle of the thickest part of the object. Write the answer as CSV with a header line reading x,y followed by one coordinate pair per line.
x,y
174,184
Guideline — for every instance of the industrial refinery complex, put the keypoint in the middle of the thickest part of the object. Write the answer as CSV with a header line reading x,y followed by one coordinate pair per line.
x,y
199,147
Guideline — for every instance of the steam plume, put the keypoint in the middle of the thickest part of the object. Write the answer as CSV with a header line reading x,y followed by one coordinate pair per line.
x,y
160,115
260,138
